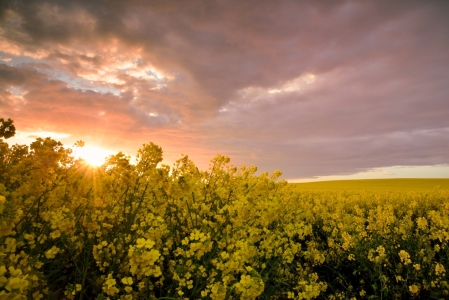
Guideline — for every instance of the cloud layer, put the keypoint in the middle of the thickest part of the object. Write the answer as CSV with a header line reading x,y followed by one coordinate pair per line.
x,y
311,88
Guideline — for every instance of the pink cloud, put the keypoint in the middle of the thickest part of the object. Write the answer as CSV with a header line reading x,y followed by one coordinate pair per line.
x,y
231,77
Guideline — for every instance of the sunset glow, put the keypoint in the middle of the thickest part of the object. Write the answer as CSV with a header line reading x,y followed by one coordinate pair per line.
x,y
214,149
316,89
92,155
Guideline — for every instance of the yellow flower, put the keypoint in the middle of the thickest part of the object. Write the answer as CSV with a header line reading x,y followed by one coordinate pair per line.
x,y
439,269
421,223
55,234
190,284
10,245
51,253
110,282
414,289
151,256
14,272
405,257
140,243
16,283
144,243
127,280
109,286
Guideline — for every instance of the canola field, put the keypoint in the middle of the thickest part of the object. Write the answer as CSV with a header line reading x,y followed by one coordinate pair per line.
x,y
400,185
152,231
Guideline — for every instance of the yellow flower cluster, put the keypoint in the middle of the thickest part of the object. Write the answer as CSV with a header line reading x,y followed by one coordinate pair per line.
x,y
15,282
381,244
249,287
405,257
378,255
142,259
149,231
109,286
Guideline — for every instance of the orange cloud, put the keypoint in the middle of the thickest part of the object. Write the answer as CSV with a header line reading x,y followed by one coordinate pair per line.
x,y
312,88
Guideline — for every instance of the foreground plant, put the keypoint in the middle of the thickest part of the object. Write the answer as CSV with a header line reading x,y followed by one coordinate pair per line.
x,y
151,231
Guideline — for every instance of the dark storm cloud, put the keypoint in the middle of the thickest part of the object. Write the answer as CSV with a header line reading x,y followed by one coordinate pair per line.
x,y
311,88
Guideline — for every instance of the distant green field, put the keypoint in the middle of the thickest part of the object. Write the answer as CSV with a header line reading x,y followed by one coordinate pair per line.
x,y
408,184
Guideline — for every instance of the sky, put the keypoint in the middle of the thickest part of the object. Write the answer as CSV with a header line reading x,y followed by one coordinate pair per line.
x,y
317,89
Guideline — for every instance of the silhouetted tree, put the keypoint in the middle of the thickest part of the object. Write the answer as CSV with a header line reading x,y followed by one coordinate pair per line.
x,y
7,129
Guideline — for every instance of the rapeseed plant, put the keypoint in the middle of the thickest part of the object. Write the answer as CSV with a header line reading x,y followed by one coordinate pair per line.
x,y
151,231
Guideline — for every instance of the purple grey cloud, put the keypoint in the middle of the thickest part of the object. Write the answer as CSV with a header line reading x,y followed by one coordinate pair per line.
x,y
308,87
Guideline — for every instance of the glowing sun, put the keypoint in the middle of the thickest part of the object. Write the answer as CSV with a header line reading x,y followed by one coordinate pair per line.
x,y
94,156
